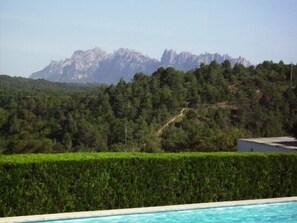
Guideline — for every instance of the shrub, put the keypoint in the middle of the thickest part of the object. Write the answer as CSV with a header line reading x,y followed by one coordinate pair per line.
x,y
51,183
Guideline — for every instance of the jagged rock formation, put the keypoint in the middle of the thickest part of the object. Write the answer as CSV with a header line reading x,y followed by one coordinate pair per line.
x,y
186,61
96,65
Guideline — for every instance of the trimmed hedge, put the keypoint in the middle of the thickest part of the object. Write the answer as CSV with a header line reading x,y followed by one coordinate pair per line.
x,y
51,183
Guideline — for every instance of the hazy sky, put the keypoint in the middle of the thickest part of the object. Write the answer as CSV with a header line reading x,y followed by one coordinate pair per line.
x,y
34,32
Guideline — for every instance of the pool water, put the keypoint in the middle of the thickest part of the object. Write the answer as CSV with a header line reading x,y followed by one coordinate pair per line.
x,y
285,212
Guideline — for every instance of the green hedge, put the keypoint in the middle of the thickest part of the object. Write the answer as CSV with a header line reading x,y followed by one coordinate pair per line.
x,y
50,183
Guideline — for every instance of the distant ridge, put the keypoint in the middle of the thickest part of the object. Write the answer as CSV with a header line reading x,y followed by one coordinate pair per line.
x,y
97,66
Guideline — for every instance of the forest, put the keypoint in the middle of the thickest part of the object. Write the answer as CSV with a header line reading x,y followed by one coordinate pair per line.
x,y
205,109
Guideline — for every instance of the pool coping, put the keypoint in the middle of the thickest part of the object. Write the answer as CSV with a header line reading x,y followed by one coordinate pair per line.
x,y
88,214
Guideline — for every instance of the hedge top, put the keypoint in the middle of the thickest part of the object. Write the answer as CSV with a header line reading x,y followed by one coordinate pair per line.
x,y
36,158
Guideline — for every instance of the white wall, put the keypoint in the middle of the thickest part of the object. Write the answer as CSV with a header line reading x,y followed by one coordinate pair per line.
x,y
247,146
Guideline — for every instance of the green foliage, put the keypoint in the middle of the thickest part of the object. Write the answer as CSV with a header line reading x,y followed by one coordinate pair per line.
x,y
67,182
222,103
19,86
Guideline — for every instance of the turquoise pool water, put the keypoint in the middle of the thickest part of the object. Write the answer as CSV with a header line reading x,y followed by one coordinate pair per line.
x,y
276,212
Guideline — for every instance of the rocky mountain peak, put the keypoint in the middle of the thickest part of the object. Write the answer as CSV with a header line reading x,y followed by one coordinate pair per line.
x,y
128,54
125,52
91,54
168,56
96,65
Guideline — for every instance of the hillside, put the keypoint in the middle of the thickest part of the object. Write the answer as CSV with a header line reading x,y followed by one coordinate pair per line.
x,y
205,109
24,86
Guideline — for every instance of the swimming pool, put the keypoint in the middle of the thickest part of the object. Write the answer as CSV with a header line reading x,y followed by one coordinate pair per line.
x,y
273,212
261,210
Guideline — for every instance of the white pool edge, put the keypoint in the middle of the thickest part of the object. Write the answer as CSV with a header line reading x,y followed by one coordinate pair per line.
x,y
88,214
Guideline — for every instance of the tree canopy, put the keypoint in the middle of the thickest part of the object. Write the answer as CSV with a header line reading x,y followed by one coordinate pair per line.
x,y
222,104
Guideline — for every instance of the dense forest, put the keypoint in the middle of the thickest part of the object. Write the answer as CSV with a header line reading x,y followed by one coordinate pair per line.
x,y
205,109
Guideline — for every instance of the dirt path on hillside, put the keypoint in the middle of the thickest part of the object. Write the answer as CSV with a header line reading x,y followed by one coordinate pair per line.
x,y
180,115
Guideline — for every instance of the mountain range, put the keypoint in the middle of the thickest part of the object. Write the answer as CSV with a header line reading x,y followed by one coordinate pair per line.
x,y
98,66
